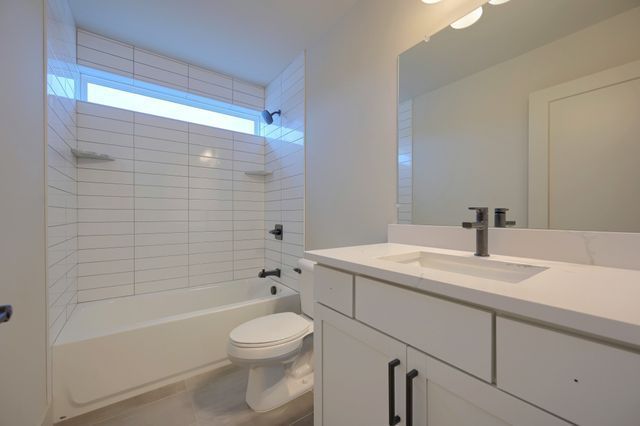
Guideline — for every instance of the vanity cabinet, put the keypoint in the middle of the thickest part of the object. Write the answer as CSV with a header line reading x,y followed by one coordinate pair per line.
x,y
583,381
460,334
358,364
365,377
440,395
390,355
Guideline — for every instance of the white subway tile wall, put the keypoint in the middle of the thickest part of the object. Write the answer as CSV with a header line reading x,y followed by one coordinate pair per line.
x,y
105,54
62,81
284,157
405,162
175,209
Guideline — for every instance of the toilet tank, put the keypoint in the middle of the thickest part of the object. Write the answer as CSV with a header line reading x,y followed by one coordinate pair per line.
x,y
306,286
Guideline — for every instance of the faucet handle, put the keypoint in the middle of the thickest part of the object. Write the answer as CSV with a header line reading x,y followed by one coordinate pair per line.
x,y
482,213
501,218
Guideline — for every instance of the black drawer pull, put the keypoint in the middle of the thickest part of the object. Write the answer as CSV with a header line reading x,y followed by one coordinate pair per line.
x,y
393,418
410,376
5,313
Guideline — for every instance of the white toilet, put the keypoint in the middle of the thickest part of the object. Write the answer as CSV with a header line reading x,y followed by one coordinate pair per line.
x,y
278,349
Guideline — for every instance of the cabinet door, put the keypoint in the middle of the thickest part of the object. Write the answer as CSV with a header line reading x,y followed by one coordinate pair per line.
x,y
441,395
353,373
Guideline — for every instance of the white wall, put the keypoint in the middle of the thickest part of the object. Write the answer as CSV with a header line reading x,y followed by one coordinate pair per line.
x,y
352,114
284,157
23,394
471,136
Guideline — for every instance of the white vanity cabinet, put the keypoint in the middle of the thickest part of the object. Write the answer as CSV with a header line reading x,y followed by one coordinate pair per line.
x,y
357,366
584,381
365,377
473,347
440,395
401,357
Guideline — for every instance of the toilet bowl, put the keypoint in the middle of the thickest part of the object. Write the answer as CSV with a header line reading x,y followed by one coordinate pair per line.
x,y
278,349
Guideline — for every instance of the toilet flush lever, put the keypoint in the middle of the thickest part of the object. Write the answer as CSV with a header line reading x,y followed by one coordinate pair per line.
x,y
5,313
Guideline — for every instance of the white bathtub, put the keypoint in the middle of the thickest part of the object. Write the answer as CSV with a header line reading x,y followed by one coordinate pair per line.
x,y
114,349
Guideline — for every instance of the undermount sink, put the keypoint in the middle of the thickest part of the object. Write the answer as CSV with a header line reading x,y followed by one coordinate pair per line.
x,y
472,266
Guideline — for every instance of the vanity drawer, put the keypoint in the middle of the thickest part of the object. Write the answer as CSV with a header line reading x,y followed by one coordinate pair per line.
x,y
582,381
458,334
334,289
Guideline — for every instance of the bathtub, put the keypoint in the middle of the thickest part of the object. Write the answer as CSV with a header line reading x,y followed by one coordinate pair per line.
x,y
114,349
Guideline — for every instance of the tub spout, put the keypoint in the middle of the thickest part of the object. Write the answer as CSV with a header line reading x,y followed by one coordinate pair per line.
x,y
264,273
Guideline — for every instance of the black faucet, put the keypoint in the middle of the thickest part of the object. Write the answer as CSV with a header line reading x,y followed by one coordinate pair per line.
x,y
501,218
481,225
265,274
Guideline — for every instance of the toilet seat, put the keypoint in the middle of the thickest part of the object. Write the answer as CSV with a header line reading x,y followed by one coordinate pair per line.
x,y
270,330
272,337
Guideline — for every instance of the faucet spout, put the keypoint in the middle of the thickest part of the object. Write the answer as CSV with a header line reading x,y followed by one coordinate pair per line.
x,y
265,273
481,225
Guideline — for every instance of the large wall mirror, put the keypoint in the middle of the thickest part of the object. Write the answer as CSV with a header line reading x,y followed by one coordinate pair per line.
x,y
534,108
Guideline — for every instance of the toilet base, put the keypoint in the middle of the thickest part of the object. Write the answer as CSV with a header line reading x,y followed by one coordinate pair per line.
x,y
262,399
273,385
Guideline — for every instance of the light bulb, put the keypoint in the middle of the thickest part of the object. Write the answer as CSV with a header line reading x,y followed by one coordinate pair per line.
x,y
468,19
432,1
497,2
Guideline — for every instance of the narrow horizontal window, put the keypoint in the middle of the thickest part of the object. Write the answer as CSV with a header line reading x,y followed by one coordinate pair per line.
x,y
123,99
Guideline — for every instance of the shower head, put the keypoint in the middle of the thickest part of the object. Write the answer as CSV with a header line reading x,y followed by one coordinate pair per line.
x,y
268,116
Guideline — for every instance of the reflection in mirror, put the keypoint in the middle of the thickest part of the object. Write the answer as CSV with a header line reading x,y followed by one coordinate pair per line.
x,y
533,108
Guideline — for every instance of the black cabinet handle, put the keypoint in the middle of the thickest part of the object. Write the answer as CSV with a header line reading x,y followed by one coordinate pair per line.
x,y
410,376
5,313
393,418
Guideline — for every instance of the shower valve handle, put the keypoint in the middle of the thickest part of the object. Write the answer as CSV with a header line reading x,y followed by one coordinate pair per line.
x,y
277,231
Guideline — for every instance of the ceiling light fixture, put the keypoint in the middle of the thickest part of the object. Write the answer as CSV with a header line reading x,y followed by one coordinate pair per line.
x,y
468,20
433,1
497,2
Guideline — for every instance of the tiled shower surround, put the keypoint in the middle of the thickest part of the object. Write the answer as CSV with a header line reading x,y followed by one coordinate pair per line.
x,y
62,81
137,65
284,157
175,209
405,162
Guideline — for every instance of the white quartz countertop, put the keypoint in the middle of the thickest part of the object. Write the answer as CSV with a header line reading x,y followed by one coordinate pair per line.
x,y
595,300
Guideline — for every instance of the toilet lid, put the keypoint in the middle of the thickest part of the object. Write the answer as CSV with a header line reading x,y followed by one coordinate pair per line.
x,y
270,329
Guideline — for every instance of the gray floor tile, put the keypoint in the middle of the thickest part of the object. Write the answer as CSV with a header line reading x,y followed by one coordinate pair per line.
x,y
174,410
242,415
120,408
222,403
305,421
215,399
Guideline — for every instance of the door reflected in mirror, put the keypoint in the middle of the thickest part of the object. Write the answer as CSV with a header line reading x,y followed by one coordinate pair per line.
x,y
534,108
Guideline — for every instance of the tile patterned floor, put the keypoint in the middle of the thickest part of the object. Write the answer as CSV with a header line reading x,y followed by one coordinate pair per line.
x,y
211,400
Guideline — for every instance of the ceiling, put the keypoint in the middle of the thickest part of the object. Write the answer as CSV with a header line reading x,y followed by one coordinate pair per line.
x,y
253,40
503,32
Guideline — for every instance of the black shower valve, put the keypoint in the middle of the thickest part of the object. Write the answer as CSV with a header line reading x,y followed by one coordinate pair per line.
x,y
277,232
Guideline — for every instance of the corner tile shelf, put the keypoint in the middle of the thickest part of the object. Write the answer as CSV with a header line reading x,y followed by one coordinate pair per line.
x,y
91,155
263,173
